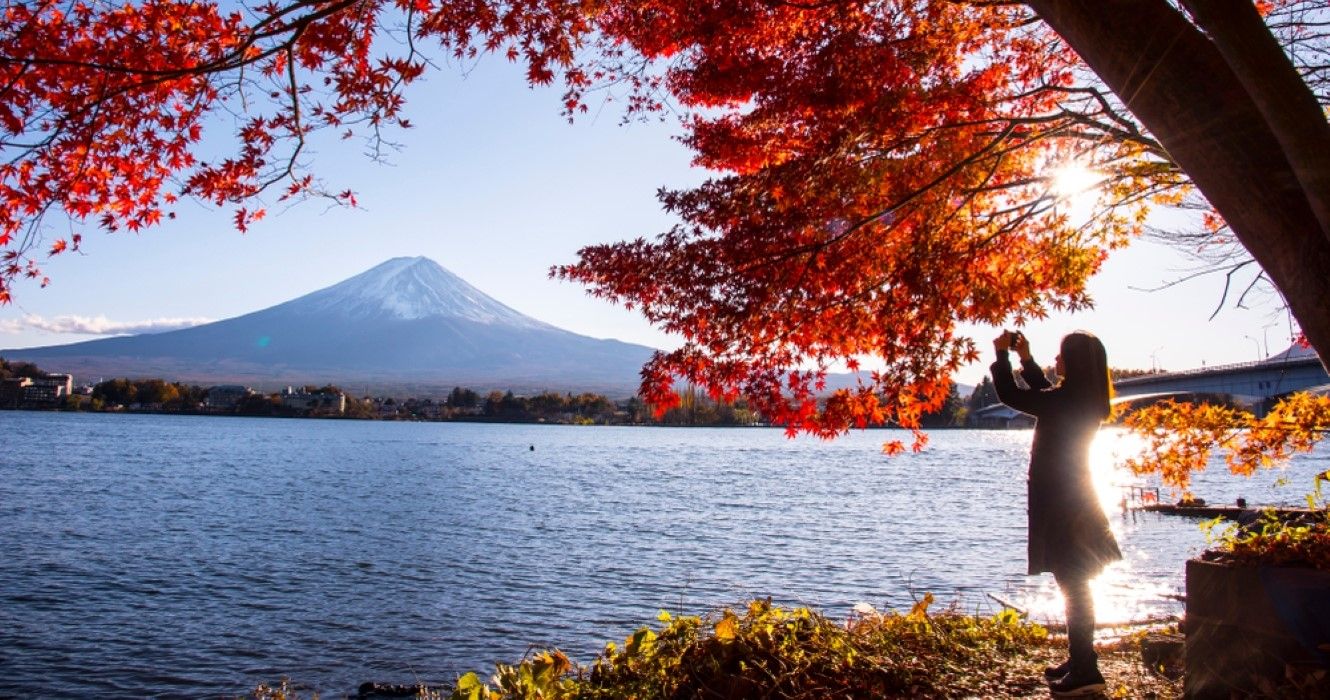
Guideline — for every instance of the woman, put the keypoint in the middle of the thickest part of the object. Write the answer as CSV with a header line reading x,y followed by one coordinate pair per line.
x,y
1068,533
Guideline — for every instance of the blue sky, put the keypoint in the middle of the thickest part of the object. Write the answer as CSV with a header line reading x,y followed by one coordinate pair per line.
x,y
496,186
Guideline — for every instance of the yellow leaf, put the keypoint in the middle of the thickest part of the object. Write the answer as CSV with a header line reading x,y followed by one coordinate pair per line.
x,y
728,627
920,609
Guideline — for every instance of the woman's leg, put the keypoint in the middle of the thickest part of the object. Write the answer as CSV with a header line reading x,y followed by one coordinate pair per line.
x,y
1080,620
1083,677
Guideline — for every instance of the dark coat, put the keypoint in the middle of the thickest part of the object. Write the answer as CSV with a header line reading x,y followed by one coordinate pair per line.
x,y
1069,533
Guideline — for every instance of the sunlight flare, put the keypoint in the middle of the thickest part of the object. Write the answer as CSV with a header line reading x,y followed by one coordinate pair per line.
x,y
1077,187
1111,448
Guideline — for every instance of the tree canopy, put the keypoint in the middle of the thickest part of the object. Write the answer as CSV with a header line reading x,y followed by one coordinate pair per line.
x,y
890,170
884,170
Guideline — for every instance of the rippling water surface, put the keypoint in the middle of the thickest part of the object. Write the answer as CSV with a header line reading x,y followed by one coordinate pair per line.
x,y
200,556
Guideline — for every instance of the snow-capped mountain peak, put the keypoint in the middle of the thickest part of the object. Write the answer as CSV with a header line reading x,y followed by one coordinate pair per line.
x,y
414,288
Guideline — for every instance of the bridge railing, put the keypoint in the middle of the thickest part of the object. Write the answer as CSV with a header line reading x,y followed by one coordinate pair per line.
x,y
1219,369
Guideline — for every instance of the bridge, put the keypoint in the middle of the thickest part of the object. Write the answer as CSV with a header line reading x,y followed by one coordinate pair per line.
x,y
1257,384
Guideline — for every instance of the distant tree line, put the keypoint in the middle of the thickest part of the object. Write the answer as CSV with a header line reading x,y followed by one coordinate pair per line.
x,y
160,396
154,393
553,407
19,369
950,415
695,407
502,406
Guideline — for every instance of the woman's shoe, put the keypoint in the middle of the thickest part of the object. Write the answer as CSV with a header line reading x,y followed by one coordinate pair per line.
x,y
1053,673
1078,683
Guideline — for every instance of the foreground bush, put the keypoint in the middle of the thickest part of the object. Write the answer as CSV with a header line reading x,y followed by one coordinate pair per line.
x,y
769,652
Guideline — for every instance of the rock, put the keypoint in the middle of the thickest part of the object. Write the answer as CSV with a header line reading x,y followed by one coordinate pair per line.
x,y
1162,654
388,690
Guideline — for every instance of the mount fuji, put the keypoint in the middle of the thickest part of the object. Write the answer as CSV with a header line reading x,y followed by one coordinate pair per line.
x,y
407,323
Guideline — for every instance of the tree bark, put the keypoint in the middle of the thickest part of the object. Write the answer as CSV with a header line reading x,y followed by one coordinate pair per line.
x,y
1183,91
1284,98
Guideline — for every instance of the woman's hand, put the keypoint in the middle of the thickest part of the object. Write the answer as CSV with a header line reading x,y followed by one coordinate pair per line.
x,y
1021,345
1002,343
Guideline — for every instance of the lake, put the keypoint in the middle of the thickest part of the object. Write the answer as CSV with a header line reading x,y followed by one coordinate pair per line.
x,y
149,555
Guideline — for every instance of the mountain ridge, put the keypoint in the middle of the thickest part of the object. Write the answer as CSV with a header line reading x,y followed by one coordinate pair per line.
x,y
404,322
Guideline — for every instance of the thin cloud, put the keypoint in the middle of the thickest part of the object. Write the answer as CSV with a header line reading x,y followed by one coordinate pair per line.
x,y
97,325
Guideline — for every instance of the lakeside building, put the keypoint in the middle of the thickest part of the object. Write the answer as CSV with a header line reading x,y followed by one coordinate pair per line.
x,y
50,389
318,403
426,409
1000,417
47,390
225,397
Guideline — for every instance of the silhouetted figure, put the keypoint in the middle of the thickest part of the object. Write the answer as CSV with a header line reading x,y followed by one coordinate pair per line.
x,y
1068,532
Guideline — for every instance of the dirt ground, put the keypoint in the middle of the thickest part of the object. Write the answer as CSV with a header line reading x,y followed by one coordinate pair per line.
x,y
1122,666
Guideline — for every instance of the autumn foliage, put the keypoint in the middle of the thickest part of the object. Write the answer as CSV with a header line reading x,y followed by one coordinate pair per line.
x,y
1181,437
885,172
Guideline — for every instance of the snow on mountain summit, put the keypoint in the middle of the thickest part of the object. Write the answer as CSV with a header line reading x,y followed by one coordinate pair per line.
x,y
413,288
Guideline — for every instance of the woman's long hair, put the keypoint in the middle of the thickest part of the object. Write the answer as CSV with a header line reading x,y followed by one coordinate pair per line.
x,y
1086,371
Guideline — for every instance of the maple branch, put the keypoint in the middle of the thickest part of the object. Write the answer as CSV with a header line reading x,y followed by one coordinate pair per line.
x,y
288,172
273,18
232,60
945,175
18,36
1127,129
1114,135
1105,107
219,65
1010,184
911,140
969,196
1025,211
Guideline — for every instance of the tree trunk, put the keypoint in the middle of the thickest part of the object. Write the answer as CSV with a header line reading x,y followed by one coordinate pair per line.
x,y
1178,84
1284,98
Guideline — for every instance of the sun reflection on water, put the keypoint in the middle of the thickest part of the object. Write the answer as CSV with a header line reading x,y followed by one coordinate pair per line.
x,y
1122,594
1111,448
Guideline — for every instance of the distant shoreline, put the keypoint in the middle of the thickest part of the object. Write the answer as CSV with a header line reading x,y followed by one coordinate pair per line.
x,y
459,419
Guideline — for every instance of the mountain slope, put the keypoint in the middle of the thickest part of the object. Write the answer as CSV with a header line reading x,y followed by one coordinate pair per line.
x,y
407,321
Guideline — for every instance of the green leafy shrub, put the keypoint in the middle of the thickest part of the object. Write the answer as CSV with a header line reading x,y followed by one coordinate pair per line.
x,y
1276,541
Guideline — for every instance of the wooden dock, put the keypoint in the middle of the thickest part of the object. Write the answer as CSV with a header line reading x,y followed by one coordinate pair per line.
x,y
1146,498
1229,512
